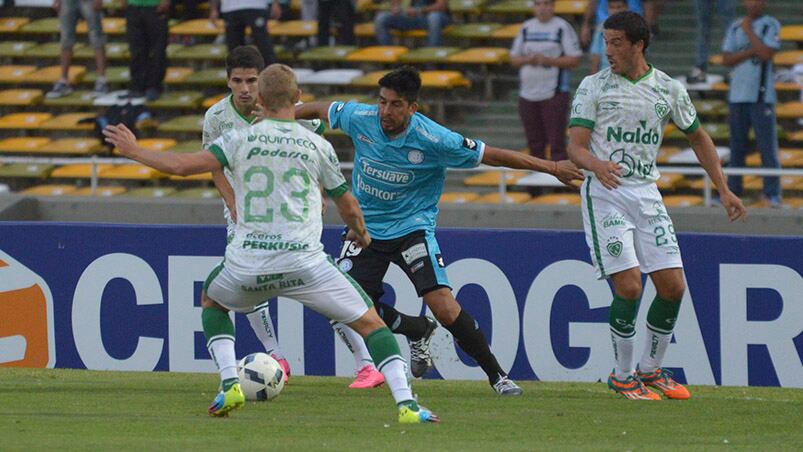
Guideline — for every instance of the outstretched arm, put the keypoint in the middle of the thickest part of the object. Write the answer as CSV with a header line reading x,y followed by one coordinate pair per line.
x,y
564,170
707,156
313,110
166,162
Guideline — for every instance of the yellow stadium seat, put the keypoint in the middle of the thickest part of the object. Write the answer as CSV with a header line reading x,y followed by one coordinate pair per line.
x,y
153,144
796,136
198,27
670,181
294,28
22,144
507,32
665,153
210,101
443,79
510,198
792,33
49,190
491,178
52,74
557,199
46,26
70,121
792,183
175,75
364,30
683,200
377,54
789,158
481,55
12,24
101,192
788,58
79,171
202,176
20,97
793,202
132,171
570,7
459,196
15,73
72,146
111,26
369,80
790,110
23,120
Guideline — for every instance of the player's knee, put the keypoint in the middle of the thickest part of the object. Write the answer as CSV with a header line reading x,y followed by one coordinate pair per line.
x,y
443,304
629,291
674,292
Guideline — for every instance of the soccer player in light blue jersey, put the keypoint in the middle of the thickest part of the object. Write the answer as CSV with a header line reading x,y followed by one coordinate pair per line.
x,y
400,163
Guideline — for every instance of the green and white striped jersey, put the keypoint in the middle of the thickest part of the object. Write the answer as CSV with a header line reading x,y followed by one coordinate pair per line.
x,y
627,119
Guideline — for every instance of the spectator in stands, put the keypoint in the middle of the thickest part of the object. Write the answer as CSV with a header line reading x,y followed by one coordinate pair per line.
x,y
599,60
749,46
430,15
726,11
92,11
242,14
146,32
343,12
544,51
597,12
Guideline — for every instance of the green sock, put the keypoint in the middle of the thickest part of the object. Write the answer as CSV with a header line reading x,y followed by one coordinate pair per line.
x,y
229,382
411,404
622,316
382,346
216,323
662,315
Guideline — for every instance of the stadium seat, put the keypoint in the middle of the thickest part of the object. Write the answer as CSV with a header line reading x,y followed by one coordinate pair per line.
x,y
509,198
511,7
508,32
459,196
718,132
793,202
114,51
556,199
332,77
178,75
79,171
789,110
198,27
570,7
792,183
378,54
201,177
15,49
177,100
22,144
294,28
154,144
72,146
327,53
20,97
197,193
187,146
796,136
49,50
471,31
536,179
101,192
32,170
427,55
187,124
683,200
664,153
792,33
23,120
111,26
443,80
150,192
369,80
688,157
70,121
789,158
788,57
132,171
49,190
711,107
52,74
15,73
47,26
207,77
481,55
9,25
467,7
346,97
670,181
201,52
116,75
212,100
491,178
76,99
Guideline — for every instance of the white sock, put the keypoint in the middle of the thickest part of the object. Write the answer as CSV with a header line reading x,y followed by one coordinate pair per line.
x,y
655,347
221,348
263,327
356,345
623,352
395,372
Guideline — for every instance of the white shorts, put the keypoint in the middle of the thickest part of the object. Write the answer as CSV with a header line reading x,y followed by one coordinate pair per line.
x,y
322,287
628,227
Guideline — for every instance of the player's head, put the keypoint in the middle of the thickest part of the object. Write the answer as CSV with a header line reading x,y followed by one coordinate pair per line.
x,y
754,8
278,87
243,65
617,6
544,10
398,99
626,38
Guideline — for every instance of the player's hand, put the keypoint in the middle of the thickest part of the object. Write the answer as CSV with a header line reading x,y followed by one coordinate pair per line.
x,y
733,206
122,138
567,172
361,240
607,172
258,113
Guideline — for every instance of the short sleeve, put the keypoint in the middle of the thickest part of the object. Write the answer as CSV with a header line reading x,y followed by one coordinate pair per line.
x,y
584,105
340,115
684,115
771,36
331,177
223,148
569,41
211,130
457,151
517,50
729,41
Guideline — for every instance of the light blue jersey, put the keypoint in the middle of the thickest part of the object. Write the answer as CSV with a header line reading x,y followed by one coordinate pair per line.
x,y
398,182
752,80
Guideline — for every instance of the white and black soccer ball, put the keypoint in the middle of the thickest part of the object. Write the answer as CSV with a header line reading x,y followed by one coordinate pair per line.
x,y
261,377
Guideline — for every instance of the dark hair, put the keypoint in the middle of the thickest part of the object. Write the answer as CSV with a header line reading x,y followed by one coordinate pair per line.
x,y
634,26
247,57
405,81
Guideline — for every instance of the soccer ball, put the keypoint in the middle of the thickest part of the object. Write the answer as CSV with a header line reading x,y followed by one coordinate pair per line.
x,y
261,377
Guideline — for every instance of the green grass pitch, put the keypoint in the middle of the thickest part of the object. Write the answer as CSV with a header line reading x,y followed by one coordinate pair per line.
x,y
61,409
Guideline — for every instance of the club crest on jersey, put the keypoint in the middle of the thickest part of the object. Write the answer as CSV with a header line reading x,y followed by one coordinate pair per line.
x,y
340,106
468,143
345,265
661,109
614,247
415,157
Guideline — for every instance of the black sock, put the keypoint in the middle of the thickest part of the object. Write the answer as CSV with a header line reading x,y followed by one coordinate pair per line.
x,y
472,340
412,327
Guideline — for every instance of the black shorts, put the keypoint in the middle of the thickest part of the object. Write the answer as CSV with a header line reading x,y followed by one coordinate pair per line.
x,y
417,254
